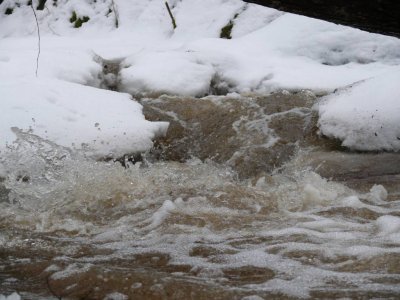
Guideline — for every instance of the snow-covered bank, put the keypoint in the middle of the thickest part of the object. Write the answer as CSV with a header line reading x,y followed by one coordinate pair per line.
x,y
269,50
101,122
64,104
365,116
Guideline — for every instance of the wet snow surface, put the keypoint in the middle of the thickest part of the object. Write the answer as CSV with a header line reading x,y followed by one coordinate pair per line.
x,y
252,192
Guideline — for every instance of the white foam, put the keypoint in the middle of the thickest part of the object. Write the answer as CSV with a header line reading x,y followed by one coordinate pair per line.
x,y
378,194
352,201
71,270
116,296
388,225
252,297
162,213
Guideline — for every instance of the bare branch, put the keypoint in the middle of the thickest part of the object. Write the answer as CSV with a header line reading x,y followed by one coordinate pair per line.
x,y
38,32
171,15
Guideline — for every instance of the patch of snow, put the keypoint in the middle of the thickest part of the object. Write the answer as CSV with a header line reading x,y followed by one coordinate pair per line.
x,y
253,18
203,19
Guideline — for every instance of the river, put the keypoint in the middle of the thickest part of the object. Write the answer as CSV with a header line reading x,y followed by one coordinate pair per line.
x,y
243,199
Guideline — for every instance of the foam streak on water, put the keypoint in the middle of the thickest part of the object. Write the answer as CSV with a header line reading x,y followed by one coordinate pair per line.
x,y
145,230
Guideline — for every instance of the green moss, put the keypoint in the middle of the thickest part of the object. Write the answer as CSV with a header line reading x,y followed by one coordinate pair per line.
x,y
73,17
78,21
9,11
226,31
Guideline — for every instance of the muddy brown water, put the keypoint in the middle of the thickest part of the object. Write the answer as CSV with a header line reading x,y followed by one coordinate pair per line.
x,y
243,199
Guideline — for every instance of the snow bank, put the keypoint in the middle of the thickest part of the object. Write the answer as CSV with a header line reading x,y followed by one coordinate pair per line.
x,y
103,123
166,72
365,116
56,105
269,50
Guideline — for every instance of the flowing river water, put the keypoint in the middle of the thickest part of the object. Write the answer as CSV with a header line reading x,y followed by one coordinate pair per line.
x,y
243,199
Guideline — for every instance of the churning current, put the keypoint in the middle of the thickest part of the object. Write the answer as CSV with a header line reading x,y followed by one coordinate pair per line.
x,y
242,200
